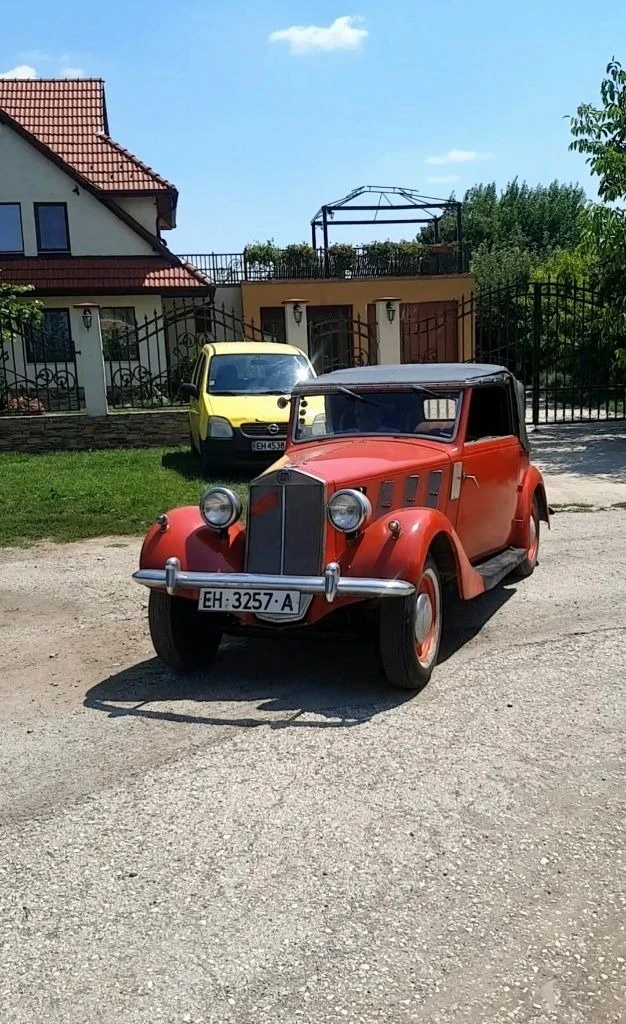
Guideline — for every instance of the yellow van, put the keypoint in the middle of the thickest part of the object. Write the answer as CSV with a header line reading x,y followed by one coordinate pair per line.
x,y
234,411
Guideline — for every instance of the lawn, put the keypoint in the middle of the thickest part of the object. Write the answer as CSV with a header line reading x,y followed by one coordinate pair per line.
x,y
66,496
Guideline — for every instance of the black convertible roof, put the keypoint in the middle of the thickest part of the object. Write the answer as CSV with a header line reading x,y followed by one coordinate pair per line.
x,y
405,374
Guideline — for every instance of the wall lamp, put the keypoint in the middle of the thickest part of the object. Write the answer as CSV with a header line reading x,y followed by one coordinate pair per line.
x,y
297,313
391,311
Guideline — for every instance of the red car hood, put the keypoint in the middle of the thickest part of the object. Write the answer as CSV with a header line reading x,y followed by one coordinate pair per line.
x,y
354,460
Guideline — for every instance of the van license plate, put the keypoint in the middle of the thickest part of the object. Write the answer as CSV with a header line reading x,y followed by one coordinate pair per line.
x,y
268,446
278,602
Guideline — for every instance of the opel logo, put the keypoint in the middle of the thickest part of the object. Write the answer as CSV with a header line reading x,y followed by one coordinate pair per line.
x,y
273,428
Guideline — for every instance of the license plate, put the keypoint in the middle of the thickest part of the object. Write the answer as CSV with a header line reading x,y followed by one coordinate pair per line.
x,y
268,446
276,602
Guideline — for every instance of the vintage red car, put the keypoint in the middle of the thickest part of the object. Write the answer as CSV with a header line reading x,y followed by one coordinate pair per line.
x,y
396,481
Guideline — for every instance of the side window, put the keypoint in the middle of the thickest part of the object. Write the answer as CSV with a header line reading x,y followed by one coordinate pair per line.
x,y
197,373
490,413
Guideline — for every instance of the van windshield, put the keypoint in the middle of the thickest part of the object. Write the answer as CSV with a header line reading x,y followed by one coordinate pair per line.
x,y
260,374
406,412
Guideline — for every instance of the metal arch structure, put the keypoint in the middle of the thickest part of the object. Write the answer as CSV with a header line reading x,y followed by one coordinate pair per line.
x,y
391,200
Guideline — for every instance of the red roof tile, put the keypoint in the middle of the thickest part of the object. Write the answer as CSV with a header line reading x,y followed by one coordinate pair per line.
x,y
69,116
84,275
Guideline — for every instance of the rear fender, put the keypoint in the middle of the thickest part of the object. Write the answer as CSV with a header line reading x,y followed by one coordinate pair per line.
x,y
196,545
532,485
382,554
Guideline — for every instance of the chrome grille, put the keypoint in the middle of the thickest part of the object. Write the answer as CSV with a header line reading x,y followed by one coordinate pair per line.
x,y
286,524
263,430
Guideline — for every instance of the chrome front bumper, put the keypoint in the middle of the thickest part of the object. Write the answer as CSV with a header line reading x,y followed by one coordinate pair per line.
x,y
331,584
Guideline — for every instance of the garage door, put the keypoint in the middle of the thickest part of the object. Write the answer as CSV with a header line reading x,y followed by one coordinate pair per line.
x,y
429,332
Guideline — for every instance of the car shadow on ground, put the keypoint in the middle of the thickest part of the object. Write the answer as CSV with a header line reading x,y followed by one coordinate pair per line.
x,y
187,465
310,683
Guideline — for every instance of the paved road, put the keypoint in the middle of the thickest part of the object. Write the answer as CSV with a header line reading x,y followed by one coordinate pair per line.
x,y
290,841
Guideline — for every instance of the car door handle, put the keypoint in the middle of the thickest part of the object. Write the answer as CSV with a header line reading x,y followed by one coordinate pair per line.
x,y
468,476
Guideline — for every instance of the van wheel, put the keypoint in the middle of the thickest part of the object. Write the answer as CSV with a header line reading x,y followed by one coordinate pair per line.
x,y
184,638
410,632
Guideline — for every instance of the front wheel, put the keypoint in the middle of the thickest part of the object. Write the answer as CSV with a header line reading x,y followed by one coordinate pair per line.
x,y
410,632
184,638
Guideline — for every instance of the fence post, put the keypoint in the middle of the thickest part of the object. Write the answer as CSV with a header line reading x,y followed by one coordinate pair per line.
x,y
296,324
92,375
388,326
537,324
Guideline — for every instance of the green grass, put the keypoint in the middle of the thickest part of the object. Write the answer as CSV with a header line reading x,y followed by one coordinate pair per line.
x,y
65,496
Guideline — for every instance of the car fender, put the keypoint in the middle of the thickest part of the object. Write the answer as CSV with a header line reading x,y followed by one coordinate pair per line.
x,y
387,551
532,483
199,548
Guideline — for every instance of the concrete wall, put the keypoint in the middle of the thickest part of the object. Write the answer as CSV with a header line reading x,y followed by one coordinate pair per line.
x,y
27,177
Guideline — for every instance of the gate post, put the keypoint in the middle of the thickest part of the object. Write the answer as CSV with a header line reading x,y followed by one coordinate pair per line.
x,y
536,363
388,327
296,324
92,375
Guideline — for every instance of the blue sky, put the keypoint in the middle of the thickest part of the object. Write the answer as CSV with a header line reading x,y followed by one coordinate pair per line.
x,y
258,130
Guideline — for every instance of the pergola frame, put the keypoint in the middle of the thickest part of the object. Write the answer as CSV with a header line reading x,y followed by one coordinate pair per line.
x,y
426,210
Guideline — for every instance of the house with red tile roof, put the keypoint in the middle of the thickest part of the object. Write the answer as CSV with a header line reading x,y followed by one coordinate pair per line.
x,y
81,218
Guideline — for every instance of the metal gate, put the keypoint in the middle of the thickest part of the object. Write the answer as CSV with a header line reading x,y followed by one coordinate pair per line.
x,y
341,342
560,340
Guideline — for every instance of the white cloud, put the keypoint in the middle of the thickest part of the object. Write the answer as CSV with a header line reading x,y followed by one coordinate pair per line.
x,y
443,179
21,71
343,34
459,156
72,73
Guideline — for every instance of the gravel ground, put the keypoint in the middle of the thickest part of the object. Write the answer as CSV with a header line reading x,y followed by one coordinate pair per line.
x,y
289,840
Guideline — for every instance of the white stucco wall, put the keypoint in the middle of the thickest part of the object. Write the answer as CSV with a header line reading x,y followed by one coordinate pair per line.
x,y
142,208
27,177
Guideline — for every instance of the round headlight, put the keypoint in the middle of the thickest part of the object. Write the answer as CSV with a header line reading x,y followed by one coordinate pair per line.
x,y
348,510
220,508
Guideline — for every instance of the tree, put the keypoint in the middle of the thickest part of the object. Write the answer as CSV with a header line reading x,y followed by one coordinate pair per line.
x,y
600,133
508,232
17,307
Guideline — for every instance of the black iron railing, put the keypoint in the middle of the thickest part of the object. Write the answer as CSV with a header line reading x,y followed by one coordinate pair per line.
x,y
301,263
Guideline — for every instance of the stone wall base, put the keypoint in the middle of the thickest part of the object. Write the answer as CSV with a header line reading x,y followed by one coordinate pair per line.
x,y
80,433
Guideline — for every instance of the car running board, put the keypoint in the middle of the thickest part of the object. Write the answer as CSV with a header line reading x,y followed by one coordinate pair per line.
x,y
494,570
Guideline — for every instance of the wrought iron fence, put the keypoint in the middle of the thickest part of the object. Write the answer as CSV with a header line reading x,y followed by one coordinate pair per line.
x,y
340,342
558,338
147,362
360,262
38,370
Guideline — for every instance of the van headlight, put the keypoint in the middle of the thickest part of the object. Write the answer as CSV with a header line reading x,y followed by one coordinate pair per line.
x,y
219,427
348,510
220,508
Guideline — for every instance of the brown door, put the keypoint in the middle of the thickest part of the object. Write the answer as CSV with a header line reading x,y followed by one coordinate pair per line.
x,y
429,332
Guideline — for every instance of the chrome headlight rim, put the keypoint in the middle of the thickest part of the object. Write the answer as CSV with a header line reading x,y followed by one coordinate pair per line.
x,y
364,509
236,508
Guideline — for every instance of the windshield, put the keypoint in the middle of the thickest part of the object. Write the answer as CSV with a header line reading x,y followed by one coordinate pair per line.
x,y
261,374
414,413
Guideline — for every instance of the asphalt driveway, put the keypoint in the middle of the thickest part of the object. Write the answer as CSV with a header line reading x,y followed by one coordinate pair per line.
x,y
289,840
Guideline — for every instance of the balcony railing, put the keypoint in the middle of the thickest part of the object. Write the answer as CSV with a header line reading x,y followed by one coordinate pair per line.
x,y
363,262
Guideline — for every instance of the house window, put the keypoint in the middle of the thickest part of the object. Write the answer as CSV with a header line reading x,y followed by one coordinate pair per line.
x,y
51,342
273,325
203,320
119,332
53,233
11,228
